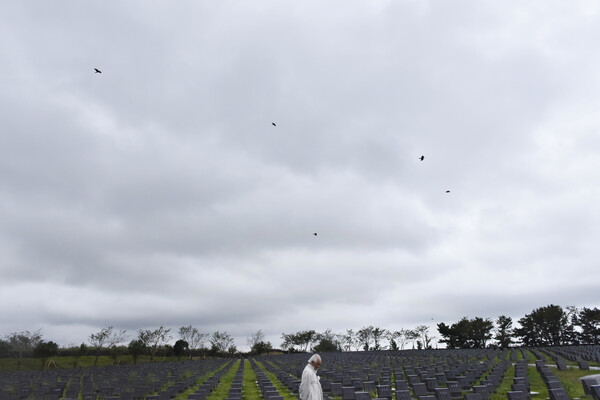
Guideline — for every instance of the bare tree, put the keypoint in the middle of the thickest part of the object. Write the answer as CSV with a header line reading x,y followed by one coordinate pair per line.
x,y
153,339
391,338
193,337
255,338
412,336
349,340
402,337
421,331
114,339
100,339
221,341
21,343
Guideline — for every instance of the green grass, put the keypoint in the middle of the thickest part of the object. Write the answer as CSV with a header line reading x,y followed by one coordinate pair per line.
x,y
536,384
35,364
281,388
223,389
505,385
198,383
570,380
250,391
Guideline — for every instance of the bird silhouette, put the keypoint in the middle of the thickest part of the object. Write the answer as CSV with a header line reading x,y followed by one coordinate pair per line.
x,y
447,191
315,233
273,123
97,71
422,158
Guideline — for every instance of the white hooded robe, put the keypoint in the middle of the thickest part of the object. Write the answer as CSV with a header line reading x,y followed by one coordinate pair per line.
x,y
310,387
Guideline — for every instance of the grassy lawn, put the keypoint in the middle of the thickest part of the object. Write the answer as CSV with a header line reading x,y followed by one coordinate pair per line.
x,y
570,380
536,384
223,389
251,391
505,385
34,364
281,388
199,382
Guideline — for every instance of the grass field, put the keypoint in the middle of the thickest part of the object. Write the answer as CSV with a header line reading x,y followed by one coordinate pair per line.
x,y
569,378
34,364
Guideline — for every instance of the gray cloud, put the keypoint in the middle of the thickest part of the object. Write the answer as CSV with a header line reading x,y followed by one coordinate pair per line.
x,y
159,193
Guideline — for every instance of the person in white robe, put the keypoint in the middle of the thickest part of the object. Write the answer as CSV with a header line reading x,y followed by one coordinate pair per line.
x,y
310,386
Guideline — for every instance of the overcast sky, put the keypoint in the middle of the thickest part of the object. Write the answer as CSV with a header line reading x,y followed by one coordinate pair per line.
x,y
158,192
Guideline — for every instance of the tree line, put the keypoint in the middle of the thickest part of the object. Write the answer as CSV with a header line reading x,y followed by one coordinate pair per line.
x,y
112,342
550,325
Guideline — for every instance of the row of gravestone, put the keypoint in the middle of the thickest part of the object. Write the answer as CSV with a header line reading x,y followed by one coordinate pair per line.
x,y
421,389
203,390
235,390
266,387
330,369
591,386
559,355
124,382
294,368
576,353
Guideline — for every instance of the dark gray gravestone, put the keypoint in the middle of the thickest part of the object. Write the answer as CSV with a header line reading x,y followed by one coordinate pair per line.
x,y
560,364
442,394
431,384
464,382
384,391
401,384
369,386
336,389
519,387
583,364
348,393
554,384
521,381
516,395
441,378
473,396
419,389
483,391
357,384
268,394
558,394
454,388
403,395
587,383
595,392
362,396
412,379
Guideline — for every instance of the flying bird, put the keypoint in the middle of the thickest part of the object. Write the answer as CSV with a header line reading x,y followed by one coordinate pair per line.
x,y
315,233
422,158
97,71
273,123
447,191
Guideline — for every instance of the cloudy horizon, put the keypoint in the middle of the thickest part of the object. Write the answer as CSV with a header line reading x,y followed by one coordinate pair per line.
x,y
159,191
